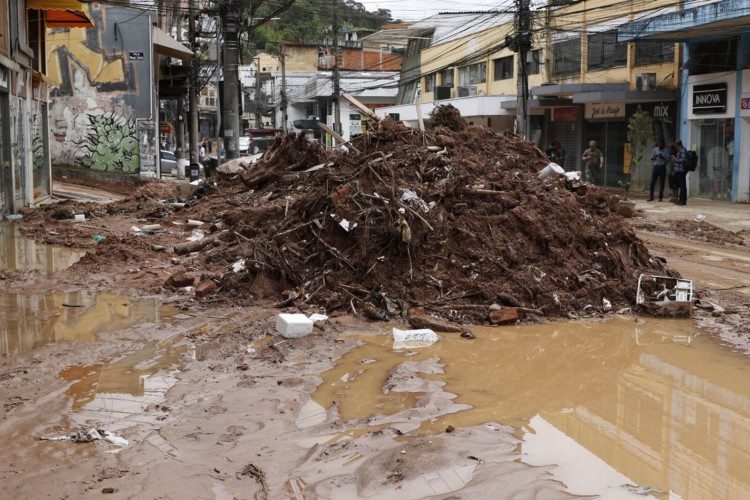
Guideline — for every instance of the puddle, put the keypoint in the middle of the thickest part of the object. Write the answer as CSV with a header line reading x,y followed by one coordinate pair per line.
x,y
122,393
651,403
29,322
24,254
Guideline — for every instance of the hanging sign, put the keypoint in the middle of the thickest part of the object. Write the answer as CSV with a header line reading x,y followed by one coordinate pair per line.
x,y
710,98
600,110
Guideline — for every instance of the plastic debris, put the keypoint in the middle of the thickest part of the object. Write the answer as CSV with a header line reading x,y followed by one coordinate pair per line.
x,y
239,266
88,436
79,218
318,317
413,339
12,217
606,304
196,235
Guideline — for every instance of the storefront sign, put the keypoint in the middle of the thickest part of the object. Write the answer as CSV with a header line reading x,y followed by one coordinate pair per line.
x,y
745,105
710,98
600,110
3,78
567,114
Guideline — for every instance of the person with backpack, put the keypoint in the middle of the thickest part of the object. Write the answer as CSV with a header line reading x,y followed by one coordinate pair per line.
x,y
670,172
659,158
680,172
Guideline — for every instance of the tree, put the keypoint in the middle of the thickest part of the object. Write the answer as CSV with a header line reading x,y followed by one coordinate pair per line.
x,y
641,137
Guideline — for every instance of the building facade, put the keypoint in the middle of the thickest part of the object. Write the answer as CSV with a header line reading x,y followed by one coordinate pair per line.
x,y
25,177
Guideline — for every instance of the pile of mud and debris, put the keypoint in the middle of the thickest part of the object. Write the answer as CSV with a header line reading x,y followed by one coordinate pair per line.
x,y
450,220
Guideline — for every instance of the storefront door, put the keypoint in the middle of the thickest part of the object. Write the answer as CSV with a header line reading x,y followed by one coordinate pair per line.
x,y
713,140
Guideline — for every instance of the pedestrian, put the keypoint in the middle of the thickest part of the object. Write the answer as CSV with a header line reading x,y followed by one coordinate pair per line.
x,y
561,153
670,171
202,151
593,158
552,153
680,172
660,155
210,146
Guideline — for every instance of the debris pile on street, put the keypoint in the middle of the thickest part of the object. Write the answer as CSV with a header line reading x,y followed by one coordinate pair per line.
x,y
450,220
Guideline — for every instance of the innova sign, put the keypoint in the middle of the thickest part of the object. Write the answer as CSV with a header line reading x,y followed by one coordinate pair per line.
x,y
710,98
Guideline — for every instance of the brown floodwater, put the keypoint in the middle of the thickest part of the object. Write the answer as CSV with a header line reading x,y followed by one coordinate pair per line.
x,y
126,391
649,403
18,253
28,322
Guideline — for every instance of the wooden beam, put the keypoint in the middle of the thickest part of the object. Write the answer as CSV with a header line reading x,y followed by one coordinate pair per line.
x,y
420,118
364,109
336,136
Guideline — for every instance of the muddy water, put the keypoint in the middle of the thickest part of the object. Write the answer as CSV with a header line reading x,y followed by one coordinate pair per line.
x,y
125,392
651,404
23,254
29,322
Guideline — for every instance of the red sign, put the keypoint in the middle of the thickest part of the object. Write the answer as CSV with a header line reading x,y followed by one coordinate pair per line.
x,y
569,114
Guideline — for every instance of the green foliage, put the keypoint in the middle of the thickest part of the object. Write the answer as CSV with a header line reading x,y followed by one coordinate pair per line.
x,y
640,136
110,144
310,21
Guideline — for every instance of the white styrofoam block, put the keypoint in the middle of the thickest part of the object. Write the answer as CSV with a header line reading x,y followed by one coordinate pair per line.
x,y
292,326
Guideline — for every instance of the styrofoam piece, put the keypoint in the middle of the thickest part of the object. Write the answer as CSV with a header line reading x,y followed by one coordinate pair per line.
x,y
413,339
79,217
318,317
551,169
292,326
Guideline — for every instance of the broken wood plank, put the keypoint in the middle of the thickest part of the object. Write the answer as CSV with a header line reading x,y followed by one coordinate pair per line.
x,y
364,109
336,136
420,118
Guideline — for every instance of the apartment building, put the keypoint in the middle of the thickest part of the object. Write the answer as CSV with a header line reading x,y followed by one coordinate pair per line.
x,y
715,90
24,116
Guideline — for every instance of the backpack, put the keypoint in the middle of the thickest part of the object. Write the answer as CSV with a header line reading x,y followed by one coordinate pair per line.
x,y
691,162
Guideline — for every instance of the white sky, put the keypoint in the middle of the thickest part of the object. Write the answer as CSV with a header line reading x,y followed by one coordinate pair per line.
x,y
411,10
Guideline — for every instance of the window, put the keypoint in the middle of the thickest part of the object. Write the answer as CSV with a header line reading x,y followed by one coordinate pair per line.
x,y
566,57
605,52
712,57
653,52
503,68
472,75
446,77
429,82
534,62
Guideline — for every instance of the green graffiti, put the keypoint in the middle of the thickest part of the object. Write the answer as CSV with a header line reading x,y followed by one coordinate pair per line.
x,y
110,144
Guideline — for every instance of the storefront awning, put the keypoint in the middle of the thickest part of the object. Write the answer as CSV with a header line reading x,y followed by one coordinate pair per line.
x,y
63,13
168,46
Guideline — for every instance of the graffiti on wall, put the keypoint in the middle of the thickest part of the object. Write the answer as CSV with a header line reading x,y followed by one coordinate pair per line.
x,y
95,90
110,144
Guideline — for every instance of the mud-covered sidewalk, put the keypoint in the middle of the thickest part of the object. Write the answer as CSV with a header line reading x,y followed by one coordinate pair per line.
x,y
186,365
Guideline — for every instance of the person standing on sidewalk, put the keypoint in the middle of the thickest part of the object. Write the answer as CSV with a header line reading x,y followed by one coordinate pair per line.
x,y
680,172
593,158
659,157
670,171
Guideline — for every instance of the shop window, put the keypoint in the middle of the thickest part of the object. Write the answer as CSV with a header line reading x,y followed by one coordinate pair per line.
x,y
429,82
714,141
534,62
653,52
712,57
473,74
605,52
503,68
446,77
566,57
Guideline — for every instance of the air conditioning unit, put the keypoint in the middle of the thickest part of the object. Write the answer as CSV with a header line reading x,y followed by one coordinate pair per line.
x,y
645,81
442,92
467,91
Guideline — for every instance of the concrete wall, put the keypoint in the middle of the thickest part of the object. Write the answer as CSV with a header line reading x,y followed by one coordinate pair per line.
x,y
102,93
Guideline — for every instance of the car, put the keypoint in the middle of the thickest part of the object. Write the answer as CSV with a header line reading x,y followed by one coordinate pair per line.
x,y
168,162
244,145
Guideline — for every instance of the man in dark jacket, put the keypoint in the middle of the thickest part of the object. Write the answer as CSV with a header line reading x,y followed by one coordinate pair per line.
x,y
660,155
680,172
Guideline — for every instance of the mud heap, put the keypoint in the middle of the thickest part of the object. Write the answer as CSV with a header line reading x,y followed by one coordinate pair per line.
x,y
452,220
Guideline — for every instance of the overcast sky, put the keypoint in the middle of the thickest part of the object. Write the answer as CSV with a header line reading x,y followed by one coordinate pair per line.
x,y
418,9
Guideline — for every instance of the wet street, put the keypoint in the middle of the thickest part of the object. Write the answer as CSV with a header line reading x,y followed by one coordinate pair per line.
x,y
652,403
620,406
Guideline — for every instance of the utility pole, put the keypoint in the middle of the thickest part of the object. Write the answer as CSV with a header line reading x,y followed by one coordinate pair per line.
x,y
284,117
523,47
258,104
336,83
193,99
231,104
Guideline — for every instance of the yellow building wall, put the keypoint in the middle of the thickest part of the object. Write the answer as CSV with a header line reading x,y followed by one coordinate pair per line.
x,y
457,53
577,17
301,58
